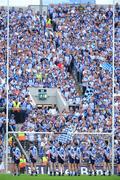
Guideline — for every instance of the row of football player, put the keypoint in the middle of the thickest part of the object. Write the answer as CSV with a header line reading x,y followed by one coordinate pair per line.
x,y
57,156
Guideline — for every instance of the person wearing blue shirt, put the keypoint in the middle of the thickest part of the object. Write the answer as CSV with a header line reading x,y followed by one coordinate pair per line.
x,y
33,159
61,158
53,156
92,158
77,158
71,157
1,151
118,159
106,155
16,158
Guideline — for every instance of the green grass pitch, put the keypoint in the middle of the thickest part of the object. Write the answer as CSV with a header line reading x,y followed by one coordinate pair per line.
x,y
46,177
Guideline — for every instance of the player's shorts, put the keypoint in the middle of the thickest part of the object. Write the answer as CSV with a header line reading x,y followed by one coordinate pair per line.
x,y
16,161
32,159
77,161
0,160
71,160
92,161
60,160
52,159
107,160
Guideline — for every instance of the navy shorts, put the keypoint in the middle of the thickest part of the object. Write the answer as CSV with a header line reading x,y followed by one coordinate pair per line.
x,y
92,161
33,160
107,160
0,160
71,160
60,160
52,159
16,161
77,161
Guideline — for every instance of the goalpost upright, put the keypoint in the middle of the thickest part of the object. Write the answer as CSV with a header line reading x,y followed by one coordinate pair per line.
x,y
113,85
7,88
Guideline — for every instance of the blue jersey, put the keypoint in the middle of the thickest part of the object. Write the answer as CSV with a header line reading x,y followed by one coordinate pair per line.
x,y
33,152
16,153
107,152
71,152
61,152
1,152
53,151
92,153
118,155
77,152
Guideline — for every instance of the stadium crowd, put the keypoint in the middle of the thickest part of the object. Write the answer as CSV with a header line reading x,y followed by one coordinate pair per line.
x,y
117,49
45,51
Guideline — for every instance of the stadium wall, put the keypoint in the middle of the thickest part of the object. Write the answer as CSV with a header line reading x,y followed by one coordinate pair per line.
x,y
45,170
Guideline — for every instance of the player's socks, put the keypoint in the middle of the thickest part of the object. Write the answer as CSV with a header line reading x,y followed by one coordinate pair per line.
x,y
78,173
109,173
36,173
90,173
50,173
59,173
18,173
75,173
103,173
54,173
119,174
63,174
95,173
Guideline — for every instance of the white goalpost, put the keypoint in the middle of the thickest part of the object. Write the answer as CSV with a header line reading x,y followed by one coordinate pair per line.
x,y
113,85
7,89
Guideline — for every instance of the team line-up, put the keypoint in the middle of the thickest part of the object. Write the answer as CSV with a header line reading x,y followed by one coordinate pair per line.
x,y
60,154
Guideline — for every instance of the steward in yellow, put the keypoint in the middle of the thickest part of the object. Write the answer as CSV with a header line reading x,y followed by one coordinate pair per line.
x,y
39,76
10,140
49,23
45,163
21,136
45,160
16,106
22,164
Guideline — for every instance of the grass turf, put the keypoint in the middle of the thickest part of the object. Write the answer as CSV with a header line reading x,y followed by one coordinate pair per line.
x,y
46,177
